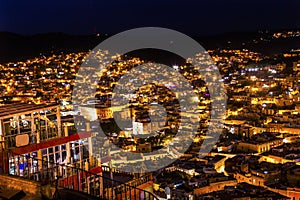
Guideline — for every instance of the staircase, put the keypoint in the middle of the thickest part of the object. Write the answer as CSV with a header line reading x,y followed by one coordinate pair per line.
x,y
71,181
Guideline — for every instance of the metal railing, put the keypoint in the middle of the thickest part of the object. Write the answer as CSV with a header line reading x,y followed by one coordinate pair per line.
x,y
72,178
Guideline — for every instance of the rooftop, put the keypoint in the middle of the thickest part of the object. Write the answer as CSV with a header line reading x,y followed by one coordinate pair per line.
x,y
243,190
22,108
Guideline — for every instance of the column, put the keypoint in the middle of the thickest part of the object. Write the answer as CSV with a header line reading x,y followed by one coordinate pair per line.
x,y
86,166
58,121
2,135
90,143
32,128
18,124
39,152
66,131
40,158
68,150
46,123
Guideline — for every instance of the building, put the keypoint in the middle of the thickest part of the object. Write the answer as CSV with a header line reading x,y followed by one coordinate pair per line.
x,y
260,143
144,148
296,66
216,186
242,191
258,147
25,124
138,128
37,131
293,176
37,145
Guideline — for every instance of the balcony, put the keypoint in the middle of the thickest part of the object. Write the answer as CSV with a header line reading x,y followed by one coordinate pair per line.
x,y
94,182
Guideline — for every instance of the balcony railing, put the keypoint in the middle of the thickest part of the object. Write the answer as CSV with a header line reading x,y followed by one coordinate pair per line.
x,y
73,178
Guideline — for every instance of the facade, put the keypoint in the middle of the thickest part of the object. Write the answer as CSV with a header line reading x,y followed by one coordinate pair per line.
x,y
94,112
212,187
138,128
104,112
258,147
144,148
37,144
37,131
296,66
25,124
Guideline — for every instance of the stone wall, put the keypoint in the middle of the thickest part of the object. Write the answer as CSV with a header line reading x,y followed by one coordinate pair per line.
x,y
31,188
214,187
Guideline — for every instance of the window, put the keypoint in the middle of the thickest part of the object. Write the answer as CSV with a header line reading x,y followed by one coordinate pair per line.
x,y
56,154
79,151
46,124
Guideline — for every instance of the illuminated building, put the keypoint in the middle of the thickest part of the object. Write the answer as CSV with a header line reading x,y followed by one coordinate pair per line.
x,y
138,128
258,147
37,144
296,66
37,131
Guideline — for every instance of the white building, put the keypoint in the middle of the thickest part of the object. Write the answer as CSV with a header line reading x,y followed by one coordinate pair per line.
x,y
137,128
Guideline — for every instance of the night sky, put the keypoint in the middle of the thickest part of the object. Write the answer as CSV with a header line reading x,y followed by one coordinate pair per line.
x,y
200,17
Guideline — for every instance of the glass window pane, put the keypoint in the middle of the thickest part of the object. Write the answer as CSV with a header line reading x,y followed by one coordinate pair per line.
x,y
50,150
57,148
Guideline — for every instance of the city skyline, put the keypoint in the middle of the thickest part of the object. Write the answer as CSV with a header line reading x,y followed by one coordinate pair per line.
x,y
149,100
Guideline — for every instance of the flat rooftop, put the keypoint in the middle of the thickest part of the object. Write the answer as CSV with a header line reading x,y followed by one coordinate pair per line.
x,y
22,108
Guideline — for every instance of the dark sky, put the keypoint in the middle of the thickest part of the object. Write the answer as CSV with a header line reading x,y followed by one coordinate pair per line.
x,y
112,16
